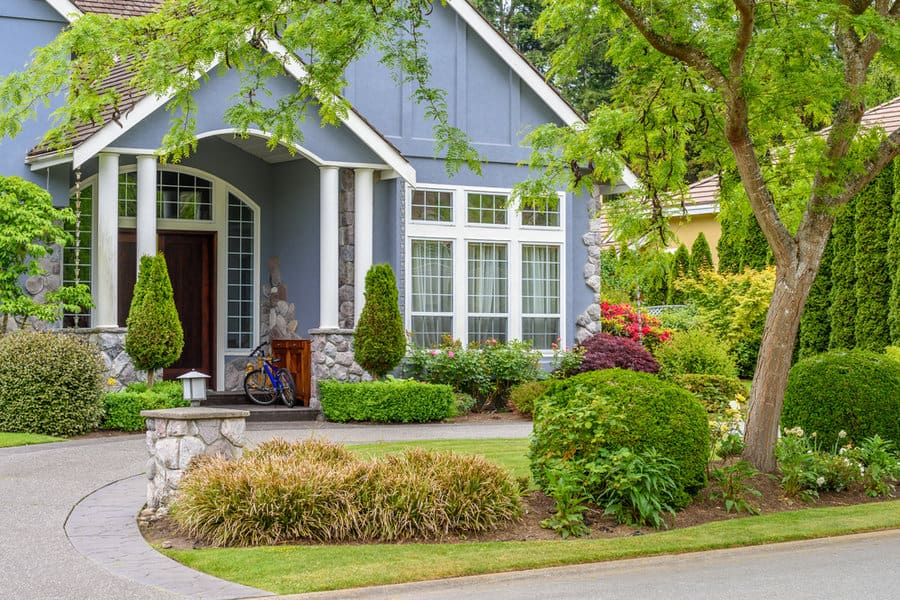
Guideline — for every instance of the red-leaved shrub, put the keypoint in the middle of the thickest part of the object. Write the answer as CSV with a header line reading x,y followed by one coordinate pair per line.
x,y
605,351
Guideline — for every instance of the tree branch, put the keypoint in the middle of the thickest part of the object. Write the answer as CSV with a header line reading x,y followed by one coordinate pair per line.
x,y
746,9
686,53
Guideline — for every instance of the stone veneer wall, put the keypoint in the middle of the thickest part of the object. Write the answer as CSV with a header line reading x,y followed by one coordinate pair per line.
x,y
37,286
588,322
110,341
332,358
347,249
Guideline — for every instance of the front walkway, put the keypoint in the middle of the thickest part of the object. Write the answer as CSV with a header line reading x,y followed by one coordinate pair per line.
x,y
67,513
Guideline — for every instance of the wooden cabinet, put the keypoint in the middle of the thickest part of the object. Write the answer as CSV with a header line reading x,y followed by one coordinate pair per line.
x,y
295,357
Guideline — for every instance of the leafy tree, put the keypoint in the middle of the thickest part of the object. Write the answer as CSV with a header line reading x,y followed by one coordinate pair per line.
x,y
843,280
738,86
380,342
29,224
155,337
178,43
815,324
701,255
873,277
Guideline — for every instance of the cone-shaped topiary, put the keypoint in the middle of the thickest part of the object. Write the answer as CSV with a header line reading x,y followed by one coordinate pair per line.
x,y
155,338
681,268
701,255
380,342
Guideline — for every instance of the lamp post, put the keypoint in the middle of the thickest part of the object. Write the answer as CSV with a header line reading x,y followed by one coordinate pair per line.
x,y
194,384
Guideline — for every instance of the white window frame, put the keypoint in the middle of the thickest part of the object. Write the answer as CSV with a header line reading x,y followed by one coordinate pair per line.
x,y
460,232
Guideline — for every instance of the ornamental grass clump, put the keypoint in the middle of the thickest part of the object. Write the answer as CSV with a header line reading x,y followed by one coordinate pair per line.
x,y
320,492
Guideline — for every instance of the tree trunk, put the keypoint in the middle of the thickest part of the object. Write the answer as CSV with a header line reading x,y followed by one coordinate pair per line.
x,y
792,285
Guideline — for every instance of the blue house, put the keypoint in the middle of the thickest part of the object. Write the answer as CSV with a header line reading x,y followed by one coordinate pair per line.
x,y
272,243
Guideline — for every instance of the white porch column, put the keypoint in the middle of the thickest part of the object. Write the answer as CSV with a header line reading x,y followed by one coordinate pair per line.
x,y
106,295
363,190
329,248
146,207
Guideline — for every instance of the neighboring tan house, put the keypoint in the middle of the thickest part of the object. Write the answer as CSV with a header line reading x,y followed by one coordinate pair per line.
x,y
263,242
702,200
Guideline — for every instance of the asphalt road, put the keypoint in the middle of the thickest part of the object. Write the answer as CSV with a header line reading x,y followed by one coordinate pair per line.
x,y
855,567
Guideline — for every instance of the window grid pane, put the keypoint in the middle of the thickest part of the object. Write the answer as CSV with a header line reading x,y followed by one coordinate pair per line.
x,y
81,248
128,194
183,197
540,294
534,217
487,209
432,205
431,291
240,274
487,295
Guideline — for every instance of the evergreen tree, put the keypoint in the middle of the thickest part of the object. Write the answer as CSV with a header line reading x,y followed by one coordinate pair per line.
x,y
873,277
701,256
681,268
843,280
894,259
815,324
729,246
754,249
380,342
155,338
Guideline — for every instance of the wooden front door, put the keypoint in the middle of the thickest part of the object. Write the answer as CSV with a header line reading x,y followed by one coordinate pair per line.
x,y
191,260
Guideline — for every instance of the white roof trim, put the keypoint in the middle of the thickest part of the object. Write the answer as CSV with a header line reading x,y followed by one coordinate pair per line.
x,y
353,121
48,160
66,9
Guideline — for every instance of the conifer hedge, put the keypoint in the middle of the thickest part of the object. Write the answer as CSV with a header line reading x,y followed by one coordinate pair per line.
x,y
843,279
873,288
380,341
701,255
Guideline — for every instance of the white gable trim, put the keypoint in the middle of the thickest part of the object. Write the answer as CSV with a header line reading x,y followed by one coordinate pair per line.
x,y
516,62
66,9
365,132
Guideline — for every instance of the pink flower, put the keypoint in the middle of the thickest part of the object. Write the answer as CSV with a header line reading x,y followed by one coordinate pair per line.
x,y
433,352
554,346
450,353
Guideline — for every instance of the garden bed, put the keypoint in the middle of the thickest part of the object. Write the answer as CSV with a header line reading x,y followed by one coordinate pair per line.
x,y
164,532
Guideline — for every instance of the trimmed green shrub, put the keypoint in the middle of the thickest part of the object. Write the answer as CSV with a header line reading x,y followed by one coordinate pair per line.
x,y
605,351
523,396
389,401
462,404
713,391
155,337
122,410
49,384
597,413
380,342
317,491
695,351
856,391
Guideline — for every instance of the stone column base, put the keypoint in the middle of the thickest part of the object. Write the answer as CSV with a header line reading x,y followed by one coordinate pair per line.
x,y
332,358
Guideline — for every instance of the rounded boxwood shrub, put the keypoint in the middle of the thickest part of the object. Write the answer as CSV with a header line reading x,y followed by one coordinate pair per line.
x,y
714,391
856,391
122,410
523,396
605,351
49,384
579,417
695,351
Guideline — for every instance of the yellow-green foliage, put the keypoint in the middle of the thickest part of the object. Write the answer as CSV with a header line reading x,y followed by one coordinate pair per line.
x,y
318,491
49,384
733,307
523,396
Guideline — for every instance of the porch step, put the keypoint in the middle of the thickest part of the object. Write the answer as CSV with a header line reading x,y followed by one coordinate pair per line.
x,y
273,413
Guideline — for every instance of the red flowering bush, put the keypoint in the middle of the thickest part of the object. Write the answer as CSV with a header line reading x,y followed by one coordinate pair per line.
x,y
624,321
605,351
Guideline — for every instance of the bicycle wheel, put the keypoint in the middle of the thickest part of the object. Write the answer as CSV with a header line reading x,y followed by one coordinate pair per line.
x,y
258,387
288,390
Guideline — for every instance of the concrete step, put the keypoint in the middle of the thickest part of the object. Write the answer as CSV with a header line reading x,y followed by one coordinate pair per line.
x,y
275,412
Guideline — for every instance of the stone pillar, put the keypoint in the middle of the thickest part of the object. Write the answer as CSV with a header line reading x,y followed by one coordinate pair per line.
x,y
363,233
329,247
106,265
588,322
176,435
346,234
146,207
332,358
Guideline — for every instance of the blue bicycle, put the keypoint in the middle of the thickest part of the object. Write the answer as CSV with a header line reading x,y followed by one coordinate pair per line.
x,y
265,382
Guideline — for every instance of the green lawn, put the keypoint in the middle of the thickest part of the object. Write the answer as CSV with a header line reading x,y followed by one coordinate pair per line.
x,y
24,439
298,569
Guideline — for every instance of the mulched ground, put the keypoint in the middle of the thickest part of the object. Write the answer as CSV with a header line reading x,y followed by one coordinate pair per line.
x,y
165,532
